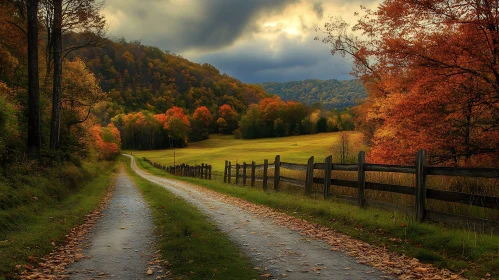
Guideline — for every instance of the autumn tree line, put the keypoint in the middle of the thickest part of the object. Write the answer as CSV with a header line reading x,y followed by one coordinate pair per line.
x,y
271,117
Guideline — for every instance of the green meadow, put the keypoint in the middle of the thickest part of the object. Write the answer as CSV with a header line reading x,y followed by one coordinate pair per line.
x,y
217,149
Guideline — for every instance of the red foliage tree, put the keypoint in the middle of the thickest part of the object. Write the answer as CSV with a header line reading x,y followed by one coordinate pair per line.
x,y
107,141
203,114
431,69
230,116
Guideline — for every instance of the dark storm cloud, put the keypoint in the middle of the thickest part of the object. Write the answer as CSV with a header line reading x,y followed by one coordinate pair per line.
x,y
254,63
223,21
172,24
230,34
318,9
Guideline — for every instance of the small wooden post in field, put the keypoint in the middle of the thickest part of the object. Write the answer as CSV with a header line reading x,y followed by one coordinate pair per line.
x,y
225,171
310,175
229,171
244,173
253,169
209,172
327,175
237,173
265,175
421,184
362,179
277,172
202,170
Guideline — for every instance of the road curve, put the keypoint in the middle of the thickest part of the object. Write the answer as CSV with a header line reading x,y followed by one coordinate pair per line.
x,y
276,250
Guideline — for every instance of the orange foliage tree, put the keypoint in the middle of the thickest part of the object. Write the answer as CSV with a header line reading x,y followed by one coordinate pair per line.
x,y
431,69
177,125
107,141
200,124
229,118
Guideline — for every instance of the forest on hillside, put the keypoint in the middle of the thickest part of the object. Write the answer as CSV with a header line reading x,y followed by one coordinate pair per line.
x,y
328,93
138,77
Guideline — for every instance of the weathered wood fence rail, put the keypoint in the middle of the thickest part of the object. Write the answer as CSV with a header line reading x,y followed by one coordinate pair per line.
x,y
197,171
420,171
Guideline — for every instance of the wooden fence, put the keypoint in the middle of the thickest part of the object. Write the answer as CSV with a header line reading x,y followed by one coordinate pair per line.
x,y
419,192
202,171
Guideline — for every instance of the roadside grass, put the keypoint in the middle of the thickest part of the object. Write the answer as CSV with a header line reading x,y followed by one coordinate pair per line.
x,y
218,148
193,246
464,251
38,209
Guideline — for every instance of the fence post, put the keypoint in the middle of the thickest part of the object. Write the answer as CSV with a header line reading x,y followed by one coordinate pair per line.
x,y
209,172
225,171
237,173
244,173
421,184
277,172
265,175
202,169
229,171
361,178
253,169
310,175
327,175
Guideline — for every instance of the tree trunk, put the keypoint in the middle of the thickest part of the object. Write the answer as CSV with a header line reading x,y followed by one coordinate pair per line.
x,y
34,136
55,124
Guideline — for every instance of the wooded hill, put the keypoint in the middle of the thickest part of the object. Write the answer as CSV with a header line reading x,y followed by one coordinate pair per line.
x,y
330,93
138,77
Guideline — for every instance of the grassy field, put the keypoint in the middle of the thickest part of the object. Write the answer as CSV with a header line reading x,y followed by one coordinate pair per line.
x,y
38,207
218,148
193,246
463,251
298,149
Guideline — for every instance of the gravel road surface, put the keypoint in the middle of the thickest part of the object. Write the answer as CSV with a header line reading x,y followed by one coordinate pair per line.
x,y
275,250
122,242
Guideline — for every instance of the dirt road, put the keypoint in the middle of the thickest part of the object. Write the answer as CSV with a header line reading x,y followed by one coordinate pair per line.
x,y
121,244
274,249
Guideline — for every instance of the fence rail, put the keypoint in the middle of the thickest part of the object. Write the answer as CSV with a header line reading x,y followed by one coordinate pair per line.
x,y
420,192
202,171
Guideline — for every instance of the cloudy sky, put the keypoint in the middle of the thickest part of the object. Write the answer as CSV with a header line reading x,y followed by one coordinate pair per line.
x,y
252,40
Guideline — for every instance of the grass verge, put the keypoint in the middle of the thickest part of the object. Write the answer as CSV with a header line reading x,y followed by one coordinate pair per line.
x,y
473,254
38,209
193,246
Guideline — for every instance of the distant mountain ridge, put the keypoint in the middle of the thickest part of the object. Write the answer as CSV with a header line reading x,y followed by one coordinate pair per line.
x,y
331,93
